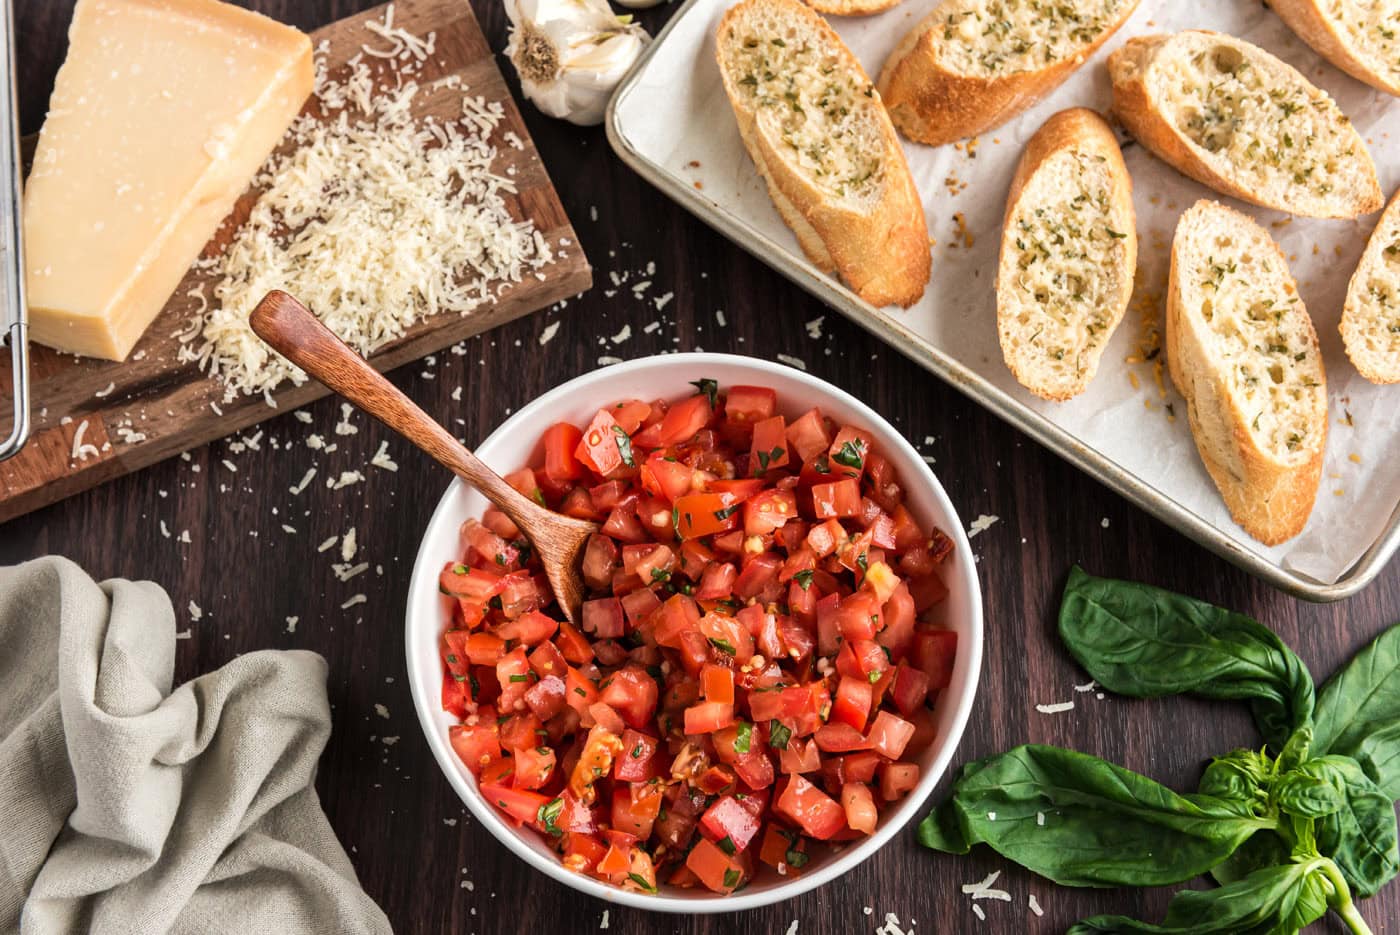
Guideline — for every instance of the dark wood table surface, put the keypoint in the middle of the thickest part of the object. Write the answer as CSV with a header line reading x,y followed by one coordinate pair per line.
x,y
416,849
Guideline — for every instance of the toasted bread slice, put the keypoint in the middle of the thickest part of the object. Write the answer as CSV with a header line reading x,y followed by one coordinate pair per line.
x,y
818,134
1242,351
851,7
1361,38
1068,254
1371,317
972,65
1234,117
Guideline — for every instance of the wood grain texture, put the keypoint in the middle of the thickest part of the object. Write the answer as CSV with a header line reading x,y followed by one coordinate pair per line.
x,y
412,842
173,404
292,330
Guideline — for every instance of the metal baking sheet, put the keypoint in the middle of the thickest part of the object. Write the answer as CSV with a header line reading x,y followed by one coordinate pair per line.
x,y
670,122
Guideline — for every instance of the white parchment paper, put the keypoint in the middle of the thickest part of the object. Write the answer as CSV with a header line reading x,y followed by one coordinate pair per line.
x,y
677,116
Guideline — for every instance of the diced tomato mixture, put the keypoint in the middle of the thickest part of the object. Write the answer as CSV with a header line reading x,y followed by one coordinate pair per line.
x,y
753,672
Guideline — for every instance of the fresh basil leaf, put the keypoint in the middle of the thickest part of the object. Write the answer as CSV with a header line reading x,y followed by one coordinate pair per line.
x,y
1295,750
1269,901
707,388
1358,712
1265,849
1103,825
1145,642
1361,835
624,445
1379,755
1239,778
1307,796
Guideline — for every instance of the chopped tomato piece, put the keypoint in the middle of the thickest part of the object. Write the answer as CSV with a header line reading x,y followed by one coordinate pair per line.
x,y
839,738
783,849
934,654
910,689
890,734
632,693
708,716
808,435
750,403
533,767
852,704
560,442
704,514
477,746
848,452
861,814
683,420
717,684
521,805
469,583
812,810
897,779
730,820
637,763
836,500
713,867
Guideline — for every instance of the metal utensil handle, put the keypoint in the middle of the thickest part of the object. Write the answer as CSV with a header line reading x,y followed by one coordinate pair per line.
x,y
12,309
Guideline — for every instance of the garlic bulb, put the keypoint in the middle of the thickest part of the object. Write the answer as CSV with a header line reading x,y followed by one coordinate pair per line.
x,y
571,54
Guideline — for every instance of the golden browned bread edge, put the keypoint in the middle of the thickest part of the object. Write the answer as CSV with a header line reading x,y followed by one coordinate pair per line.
x,y
931,105
1132,105
1269,501
1082,128
1305,19
882,255
1369,256
851,7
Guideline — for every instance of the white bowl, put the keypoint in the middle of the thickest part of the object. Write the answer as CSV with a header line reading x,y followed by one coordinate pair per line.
x,y
516,443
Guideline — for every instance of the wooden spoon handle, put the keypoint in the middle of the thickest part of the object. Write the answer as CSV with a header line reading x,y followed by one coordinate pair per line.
x,y
301,337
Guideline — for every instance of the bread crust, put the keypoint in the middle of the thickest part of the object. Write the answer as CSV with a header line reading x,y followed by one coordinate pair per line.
x,y
1133,105
1077,128
1270,500
851,7
1352,325
882,253
932,105
1305,17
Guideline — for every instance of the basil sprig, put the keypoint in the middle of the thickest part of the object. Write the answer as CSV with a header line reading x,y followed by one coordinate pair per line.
x,y
1288,831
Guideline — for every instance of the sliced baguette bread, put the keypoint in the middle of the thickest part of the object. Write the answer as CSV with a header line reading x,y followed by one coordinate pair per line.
x,y
1371,317
972,65
1068,254
1242,351
1234,117
851,7
1361,37
816,130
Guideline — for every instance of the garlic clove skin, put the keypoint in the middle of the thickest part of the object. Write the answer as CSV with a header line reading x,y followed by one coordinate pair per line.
x,y
570,55
638,4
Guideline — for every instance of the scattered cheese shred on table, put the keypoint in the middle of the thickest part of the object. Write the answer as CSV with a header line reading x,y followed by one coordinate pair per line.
x,y
1035,905
1057,708
984,889
376,219
981,524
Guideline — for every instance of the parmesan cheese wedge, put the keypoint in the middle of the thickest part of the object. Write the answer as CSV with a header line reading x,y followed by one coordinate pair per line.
x,y
160,116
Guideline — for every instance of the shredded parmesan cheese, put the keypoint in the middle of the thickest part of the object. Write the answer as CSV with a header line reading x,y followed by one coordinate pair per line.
x,y
376,219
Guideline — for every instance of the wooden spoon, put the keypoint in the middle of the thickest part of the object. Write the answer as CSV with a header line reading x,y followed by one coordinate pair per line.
x,y
300,336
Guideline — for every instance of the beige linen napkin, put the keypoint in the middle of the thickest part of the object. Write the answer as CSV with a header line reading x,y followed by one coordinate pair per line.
x,y
126,807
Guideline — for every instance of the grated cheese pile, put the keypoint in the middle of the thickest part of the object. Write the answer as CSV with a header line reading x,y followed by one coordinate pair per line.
x,y
375,220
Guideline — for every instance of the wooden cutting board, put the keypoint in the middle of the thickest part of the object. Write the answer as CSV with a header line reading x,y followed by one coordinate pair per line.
x,y
170,402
